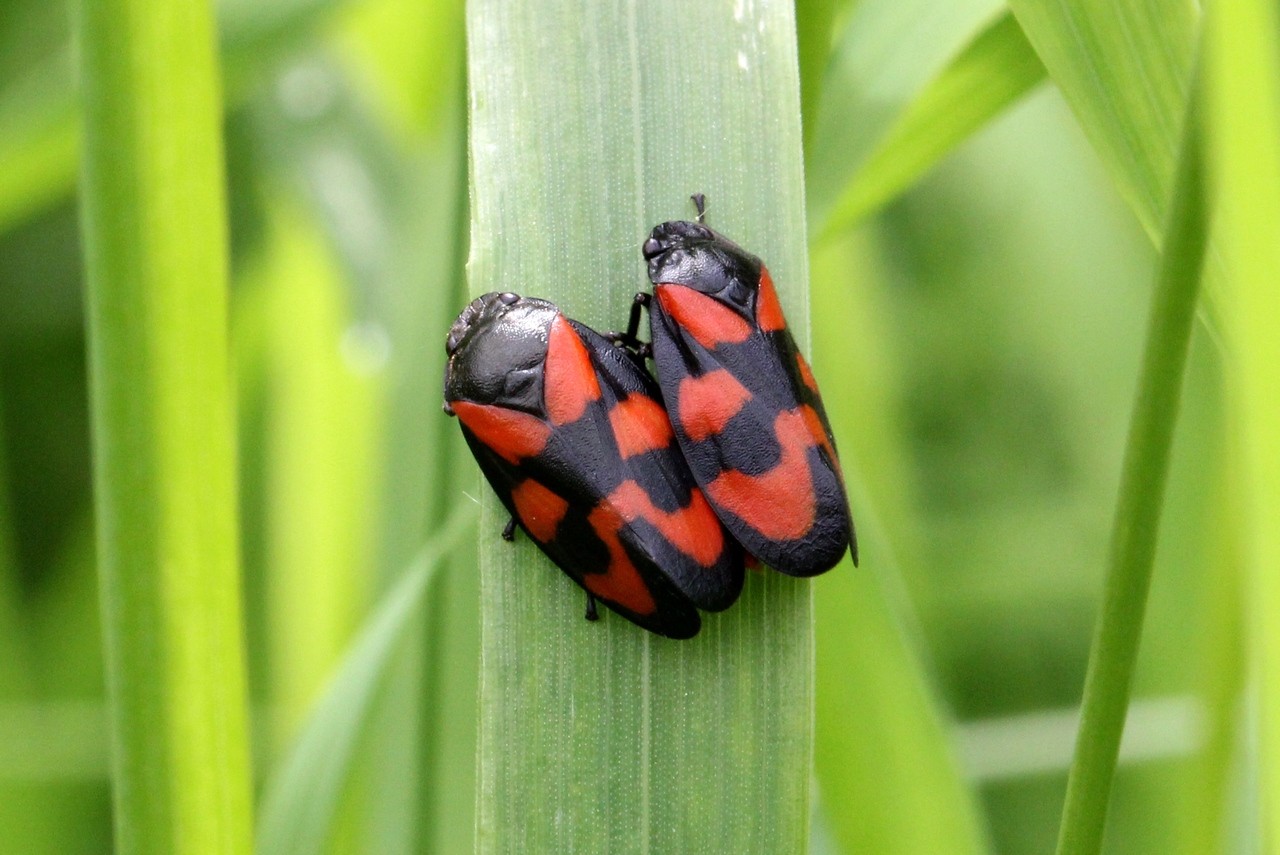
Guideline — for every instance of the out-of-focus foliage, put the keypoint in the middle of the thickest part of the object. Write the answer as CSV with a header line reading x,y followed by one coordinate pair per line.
x,y
977,335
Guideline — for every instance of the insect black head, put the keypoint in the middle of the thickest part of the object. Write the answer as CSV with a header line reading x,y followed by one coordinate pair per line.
x,y
464,322
496,349
688,253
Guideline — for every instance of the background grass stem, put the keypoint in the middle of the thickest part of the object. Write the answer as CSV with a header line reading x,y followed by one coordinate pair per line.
x,y
1108,682
164,457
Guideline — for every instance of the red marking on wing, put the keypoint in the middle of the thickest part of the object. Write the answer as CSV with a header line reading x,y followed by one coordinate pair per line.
x,y
569,378
709,321
707,403
621,583
640,424
819,432
539,509
511,434
813,423
779,504
693,529
768,309
806,373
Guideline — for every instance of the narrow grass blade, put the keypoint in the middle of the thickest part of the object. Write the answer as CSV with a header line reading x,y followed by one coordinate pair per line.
x,y
302,797
14,670
889,781
39,123
993,71
814,22
1202,819
427,753
164,456
323,400
884,56
39,140
889,778
451,643
1123,69
395,114
1244,70
1136,524
28,818
590,123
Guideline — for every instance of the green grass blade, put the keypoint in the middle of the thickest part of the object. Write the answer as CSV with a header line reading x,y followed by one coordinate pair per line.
x,y
890,782
1123,69
321,414
888,778
591,123
452,641
428,751
302,797
396,112
39,140
164,467
993,71
1244,70
39,123
28,818
1108,681
814,22
1220,672
884,56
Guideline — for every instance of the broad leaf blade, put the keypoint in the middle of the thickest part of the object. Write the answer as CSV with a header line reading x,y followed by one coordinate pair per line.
x,y
591,123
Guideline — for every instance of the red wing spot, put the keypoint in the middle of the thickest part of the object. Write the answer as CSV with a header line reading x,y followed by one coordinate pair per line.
x,y
806,373
709,321
569,378
768,309
693,529
539,509
819,433
707,403
817,430
640,424
621,582
510,434
779,504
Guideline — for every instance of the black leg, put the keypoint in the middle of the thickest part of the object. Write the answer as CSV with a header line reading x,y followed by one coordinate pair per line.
x,y
641,301
592,614
631,338
700,202
509,530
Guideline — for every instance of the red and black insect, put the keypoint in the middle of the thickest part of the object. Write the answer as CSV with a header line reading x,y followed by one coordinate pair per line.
x,y
571,433
742,399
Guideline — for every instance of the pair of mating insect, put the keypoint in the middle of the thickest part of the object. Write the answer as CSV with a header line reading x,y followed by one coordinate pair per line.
x,y
652,495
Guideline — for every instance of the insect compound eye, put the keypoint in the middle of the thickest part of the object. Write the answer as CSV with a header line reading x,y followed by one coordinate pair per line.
x,y
507,298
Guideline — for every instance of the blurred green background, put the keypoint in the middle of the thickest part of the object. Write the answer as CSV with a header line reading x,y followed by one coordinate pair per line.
x,y
978,340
